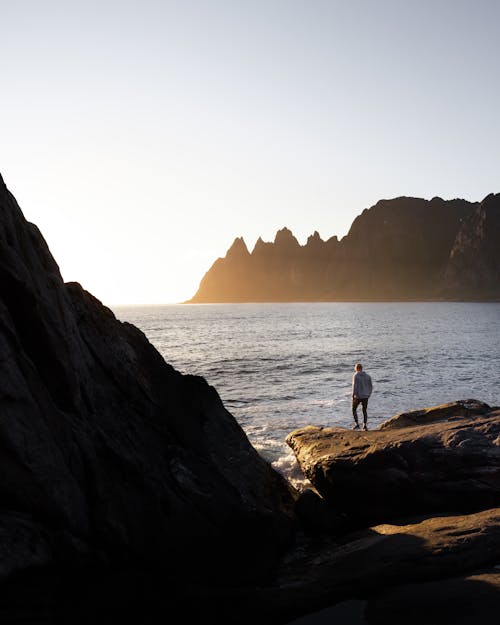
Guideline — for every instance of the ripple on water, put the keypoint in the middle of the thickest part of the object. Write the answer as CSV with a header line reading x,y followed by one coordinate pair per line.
x,y
278,367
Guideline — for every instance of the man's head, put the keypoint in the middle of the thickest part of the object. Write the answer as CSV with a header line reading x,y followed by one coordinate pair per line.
x,y
358,367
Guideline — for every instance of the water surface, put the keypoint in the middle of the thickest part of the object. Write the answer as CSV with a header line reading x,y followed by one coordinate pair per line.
x,y
278,367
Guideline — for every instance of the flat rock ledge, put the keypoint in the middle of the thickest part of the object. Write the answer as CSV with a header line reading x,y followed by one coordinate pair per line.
x,y
444,459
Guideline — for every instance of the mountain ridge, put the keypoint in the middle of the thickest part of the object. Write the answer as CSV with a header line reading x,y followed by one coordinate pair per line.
x,y
405,248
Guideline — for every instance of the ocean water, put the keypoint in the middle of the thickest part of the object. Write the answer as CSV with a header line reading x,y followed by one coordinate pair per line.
x,y
278,367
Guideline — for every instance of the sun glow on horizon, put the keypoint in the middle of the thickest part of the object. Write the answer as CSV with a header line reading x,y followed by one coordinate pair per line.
x,y
184,125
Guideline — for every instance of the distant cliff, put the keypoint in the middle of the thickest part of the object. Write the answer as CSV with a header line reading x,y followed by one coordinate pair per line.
x,y
400,249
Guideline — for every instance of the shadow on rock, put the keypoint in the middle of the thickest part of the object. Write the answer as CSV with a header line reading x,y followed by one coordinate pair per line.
x,y
459,601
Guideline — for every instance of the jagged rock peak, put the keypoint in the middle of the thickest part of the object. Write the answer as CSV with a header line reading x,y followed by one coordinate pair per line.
x,y
2,183
260,245
491,199
238,248
314,238
400,248
285,236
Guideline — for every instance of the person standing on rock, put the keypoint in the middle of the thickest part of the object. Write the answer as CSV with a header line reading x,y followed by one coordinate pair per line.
x,y
361,390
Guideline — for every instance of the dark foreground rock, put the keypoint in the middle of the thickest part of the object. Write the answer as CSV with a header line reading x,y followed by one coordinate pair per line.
x,y
367,565
455,601
450,462
110,458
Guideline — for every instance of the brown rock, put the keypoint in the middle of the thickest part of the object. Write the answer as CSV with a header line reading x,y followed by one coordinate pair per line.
x,y
385,474
444,412
368,564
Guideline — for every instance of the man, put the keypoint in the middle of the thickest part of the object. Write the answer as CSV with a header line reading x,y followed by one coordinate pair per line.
x,y
361,391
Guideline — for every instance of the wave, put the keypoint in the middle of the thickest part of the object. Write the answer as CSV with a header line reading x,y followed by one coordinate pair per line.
x,y
288,466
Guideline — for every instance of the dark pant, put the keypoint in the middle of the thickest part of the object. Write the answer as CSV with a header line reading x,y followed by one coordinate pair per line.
x,y
364,404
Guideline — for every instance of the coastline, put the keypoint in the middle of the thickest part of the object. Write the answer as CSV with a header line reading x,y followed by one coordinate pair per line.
x,y
495,300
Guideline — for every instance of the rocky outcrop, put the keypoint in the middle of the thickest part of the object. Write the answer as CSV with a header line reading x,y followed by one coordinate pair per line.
x,y
449,462
379,562
430,479
400,249
459,601
473,267
444,412
109,456
385,556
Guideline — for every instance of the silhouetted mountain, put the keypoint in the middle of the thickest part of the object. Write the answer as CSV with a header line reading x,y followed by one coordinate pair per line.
x,y
473,268
400,249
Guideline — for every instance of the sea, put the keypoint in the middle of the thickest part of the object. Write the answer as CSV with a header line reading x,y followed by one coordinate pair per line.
x,y
279,367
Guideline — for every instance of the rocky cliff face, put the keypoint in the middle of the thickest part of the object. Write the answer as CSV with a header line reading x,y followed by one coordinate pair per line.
x,y
110,457
473,267
405,248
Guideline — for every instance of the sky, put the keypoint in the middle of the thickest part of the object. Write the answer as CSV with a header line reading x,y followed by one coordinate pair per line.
x,y
143,137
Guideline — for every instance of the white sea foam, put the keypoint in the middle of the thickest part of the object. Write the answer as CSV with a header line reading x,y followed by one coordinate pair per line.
x,y
289,467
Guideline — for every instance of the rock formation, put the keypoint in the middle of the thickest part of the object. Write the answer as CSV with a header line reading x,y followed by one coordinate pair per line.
x,y
449,461
386,562
130,494
473,267
400,249
430,479
109,456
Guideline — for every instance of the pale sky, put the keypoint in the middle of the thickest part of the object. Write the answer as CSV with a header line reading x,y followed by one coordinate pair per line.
x,y
142,137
